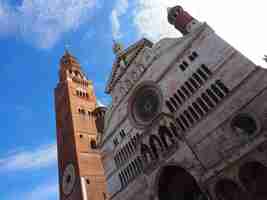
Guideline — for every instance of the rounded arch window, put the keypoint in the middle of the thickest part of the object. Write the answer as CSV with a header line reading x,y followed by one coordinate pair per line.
x,y
145,104
244,124
66,62
93,144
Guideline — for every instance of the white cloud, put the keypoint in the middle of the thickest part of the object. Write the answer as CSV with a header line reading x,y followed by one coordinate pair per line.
x,y
241,23
119,10
100,104
42,22
42,157
7,20
151,19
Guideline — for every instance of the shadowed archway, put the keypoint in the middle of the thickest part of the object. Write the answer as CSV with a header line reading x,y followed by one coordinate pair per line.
x,y
253,176
175,183
227,189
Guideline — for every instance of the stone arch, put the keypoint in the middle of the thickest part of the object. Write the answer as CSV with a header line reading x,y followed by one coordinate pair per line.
x,y
253,175
166,136
147,155
226,189
175,183
155,145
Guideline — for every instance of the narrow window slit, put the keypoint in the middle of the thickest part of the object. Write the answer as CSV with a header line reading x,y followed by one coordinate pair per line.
x,y
193,113
191,120
197,78
169,106
198,109
177,99
182,67
174,102
195,54
217,91
194,83
207,100
184,121
185,91
202,74
180,123
185,64
181,94
206,69
202,104
212,95
222,86
189,87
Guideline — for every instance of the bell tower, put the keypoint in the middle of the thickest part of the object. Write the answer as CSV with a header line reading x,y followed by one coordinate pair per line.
x,y
81,174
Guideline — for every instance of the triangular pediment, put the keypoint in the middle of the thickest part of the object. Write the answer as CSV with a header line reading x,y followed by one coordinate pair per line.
x,y
124,59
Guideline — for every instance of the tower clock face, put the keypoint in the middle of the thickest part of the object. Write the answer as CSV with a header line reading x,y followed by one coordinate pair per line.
x,y
69,178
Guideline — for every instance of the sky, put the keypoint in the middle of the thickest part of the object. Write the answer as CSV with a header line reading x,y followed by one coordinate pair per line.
x,y
33,36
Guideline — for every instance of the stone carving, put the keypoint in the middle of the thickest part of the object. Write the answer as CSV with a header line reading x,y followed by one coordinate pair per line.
x,y
131,77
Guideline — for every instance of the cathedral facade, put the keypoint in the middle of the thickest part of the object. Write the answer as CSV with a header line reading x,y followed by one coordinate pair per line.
x,y
79,123
188,119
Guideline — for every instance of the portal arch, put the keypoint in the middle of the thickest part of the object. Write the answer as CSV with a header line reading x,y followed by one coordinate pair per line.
x,y
176,183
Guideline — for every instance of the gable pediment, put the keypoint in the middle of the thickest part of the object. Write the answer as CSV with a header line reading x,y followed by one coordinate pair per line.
x,y
124,60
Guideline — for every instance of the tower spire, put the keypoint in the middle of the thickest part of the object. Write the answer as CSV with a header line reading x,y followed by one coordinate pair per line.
x,y
66,49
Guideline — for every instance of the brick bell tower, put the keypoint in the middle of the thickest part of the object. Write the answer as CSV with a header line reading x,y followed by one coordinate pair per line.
x,y
81,174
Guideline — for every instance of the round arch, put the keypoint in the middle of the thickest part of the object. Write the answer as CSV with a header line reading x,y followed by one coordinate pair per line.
x,y
175,183
253,175
226,189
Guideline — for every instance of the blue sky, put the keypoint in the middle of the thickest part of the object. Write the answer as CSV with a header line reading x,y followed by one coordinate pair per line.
x,y
33,34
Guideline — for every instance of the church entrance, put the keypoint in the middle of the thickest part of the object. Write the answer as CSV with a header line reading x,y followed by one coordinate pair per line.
x,y
253,176
227,189
175,183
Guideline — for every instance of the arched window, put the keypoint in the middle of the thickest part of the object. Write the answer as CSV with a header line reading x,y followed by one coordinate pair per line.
x,y
166,136
253,176
93,144
155,145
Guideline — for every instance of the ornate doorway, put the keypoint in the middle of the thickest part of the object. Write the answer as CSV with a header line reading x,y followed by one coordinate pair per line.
x,y
175,183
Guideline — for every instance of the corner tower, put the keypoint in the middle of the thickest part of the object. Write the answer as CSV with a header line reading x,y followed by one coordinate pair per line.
x,y
81,175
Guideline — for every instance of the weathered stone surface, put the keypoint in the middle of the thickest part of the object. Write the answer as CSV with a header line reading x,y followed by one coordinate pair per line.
x,y
207,146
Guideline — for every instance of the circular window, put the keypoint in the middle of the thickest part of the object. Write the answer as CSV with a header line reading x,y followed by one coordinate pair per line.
x,y
145,104
244,124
